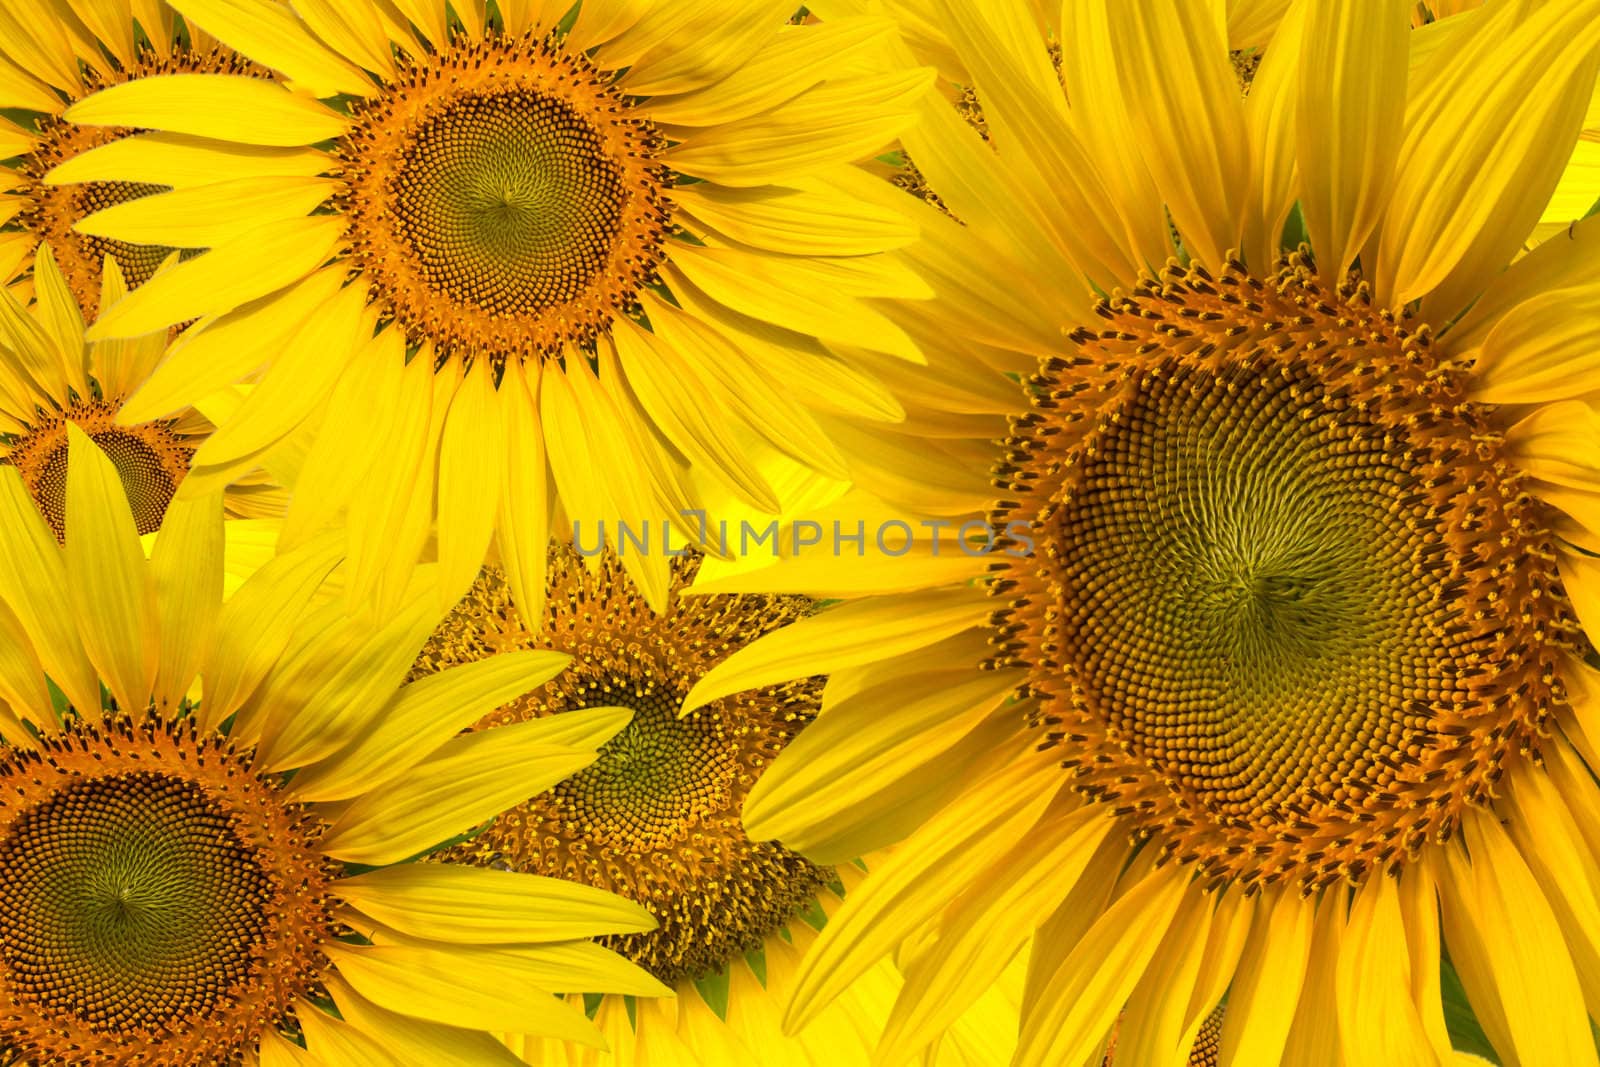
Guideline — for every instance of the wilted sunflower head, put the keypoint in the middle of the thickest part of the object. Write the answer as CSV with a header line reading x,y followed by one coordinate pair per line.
x,y
204,839
656,817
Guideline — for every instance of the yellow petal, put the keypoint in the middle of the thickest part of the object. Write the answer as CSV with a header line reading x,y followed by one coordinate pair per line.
x,y
58,315
1270,112
953,850
691,53
468,780
352,30
811,218
1314,1034
262,261
424,715
1081,999
182,161
407,1037
979,936
429,17
187,567
40,45
1152,1026
859,769
1266,986
1351,111
865,631
473,905
34,582
333,1040
1508,949
1484,147
205,216
1556,444
523,521
256,623
1542,349
214,354
1188,115
444,987
273,36
221,106
471,454
112,591
1374,978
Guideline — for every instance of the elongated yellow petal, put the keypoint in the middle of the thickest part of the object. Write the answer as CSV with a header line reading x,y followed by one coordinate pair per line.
x,y
683,56
658,377
217,353
1266,988
1314,1039
1188,115
1485,144
840,122
33,581
950,851
187,569
257,622
261,261
474,905
441,986
1374,979
977,938
858,769
352,30
429,17
58,315
1081,1000
272,35
1419,915
468,780
471,457
408,1037
112,592
205,216
182,161
812,218
422,716
1542,349
1351,111
333,1040
1556,444
865,631
523,521
220,106
277,1051
40,45
1152,1026
1507,946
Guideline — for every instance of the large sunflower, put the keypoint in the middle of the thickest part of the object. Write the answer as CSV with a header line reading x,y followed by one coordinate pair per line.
x,y
593,246
51,377
1284,678
213,881
52,55
656,819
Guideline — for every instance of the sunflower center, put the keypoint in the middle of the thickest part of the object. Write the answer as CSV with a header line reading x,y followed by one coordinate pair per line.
x,y
657,817
1289,610
51,212
150,884
150,459
504,199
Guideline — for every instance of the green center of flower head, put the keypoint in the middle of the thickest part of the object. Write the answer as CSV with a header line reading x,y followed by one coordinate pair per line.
x,y
1289,609
133,902
504,198
656,818
509,201
152,888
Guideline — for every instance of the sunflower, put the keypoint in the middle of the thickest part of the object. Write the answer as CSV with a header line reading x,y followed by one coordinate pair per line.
x,y
591,244
656,818
1278,678
51,56
52,378
208,882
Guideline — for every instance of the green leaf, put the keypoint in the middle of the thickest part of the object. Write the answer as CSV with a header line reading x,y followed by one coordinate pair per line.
x,y
1465,1033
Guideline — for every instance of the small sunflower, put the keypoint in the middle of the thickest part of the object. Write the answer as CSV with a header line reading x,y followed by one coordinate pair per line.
x,y
1279,677
53,378
51,56
221,881
656,818
599,246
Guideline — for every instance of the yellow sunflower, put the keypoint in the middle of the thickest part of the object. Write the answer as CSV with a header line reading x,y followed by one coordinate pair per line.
x,y
1277,680
598,246
50,378
53,54
223,881
656,819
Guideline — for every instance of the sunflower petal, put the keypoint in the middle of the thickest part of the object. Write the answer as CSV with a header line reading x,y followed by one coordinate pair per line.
x,y
221,106
187,568
471,453
1266,987
205,216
